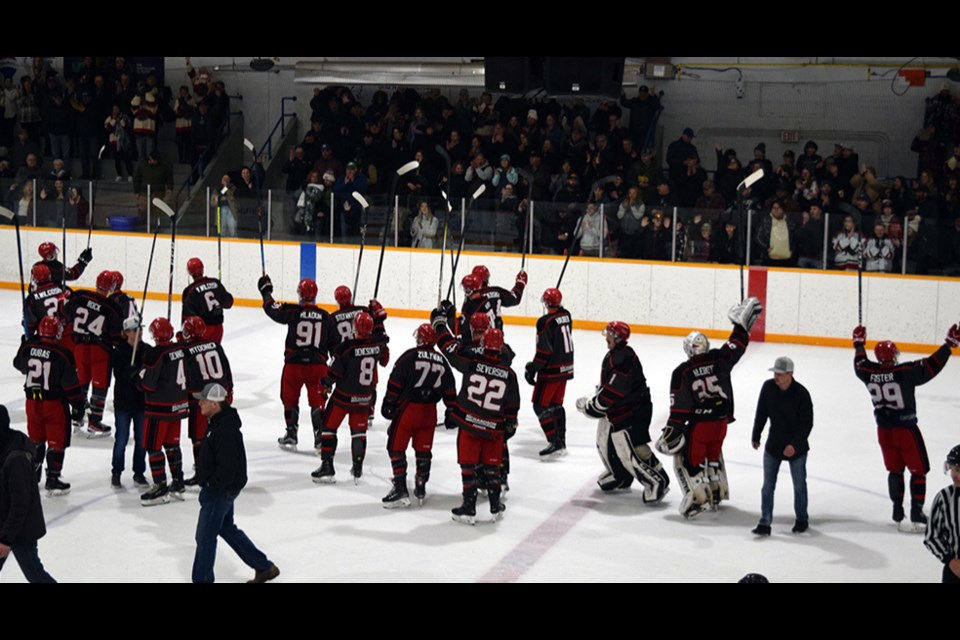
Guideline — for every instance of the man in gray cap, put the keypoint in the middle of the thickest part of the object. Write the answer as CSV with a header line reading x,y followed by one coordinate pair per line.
x,y
786,403
222,474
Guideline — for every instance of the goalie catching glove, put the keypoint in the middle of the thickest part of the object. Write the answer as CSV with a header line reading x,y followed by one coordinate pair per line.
x,y
745,313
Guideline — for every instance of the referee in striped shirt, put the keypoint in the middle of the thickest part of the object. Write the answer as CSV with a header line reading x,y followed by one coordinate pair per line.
x,y
943,532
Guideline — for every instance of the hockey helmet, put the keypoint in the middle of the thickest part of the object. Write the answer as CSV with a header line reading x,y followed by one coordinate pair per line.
x,y
552,297
161,330
753,578
425,335
492,340
106,282
887,353
40,273
479,322
307,290
48,251
470,283
953,458
195,268
362,325
343,295
483,273
193,327
695,344
619,331
50,327
117,281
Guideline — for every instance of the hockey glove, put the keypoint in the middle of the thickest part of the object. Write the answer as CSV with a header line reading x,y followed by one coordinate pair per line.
x,y
745,313
385,356
86,256
377,311
448,421
265,286
387,409
530,374
522,278
438,318
671,441
860,336
953,335
448,309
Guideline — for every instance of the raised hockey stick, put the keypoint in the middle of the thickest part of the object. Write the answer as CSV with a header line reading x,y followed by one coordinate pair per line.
x,y
443,247
92,200
573,242
263,260
363,236
143,300
747,182
223,192
463,237
63,272
860,288
528,224
165,208
10,215
405,169
453,297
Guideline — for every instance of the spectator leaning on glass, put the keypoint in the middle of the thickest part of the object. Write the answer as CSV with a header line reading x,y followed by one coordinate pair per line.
x,y
787,405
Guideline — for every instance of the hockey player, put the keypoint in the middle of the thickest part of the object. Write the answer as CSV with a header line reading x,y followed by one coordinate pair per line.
x,y
343,319
58,273
485,409
164,381
701,407
207,298
311,338
498,296
622,403
420,378
206,363
352,370
44,298
95,328
549,371
892,388
125,304
50,385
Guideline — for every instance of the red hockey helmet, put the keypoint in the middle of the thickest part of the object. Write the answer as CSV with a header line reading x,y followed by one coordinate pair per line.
x,y
492,340
552,297
50,327
886,352
193,327
40,273
343,295
48,251
479,322
307,290
425,335
470,283
619,331
362,325
161,330
106,282
117,281
483,273
195,268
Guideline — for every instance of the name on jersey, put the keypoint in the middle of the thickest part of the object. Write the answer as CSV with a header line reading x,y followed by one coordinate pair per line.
x,y
176,355
93,305
40,353
703,371
881,377
562,319
49,293
311,315
366,351
207,286
200,348
480,422
430,355
496,372
491,295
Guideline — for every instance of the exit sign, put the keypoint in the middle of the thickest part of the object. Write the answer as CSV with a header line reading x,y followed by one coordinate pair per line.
x,y
790,137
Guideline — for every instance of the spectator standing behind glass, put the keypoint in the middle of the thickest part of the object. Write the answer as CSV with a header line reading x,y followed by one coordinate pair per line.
x,y
810,238
630,213
865,183
777,238
184,107
28,109
423,229
787,405
144,126
349,209
88,124
807,190
119,129
8,111
224,199
879,251
847,246
701,242
592,231
727,245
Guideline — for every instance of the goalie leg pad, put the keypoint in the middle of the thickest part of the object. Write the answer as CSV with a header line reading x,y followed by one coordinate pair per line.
x,y
695,489
640,467
621,477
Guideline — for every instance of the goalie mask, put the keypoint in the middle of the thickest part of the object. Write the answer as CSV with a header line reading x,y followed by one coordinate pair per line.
x,y
695,344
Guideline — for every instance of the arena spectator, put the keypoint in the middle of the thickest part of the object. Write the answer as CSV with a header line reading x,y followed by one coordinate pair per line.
x,y
847,246
777,238
810,160
678,151
9,100
810,238
879,251
643,109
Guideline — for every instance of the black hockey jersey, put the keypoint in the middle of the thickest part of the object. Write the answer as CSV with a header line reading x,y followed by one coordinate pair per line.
x,y
420,375
207,298
164,381
623,395
59,274
44,301
50,369
893,389
353,371
500,297
125,304
343,321
206,363
554,358
701,389
452,348
474,304
93,319
311,333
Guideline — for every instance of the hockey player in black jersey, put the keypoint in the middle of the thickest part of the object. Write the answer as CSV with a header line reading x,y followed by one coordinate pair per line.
x,y
58,272
622,404
420,379
207,298
124,302
549,371
343,320
44,298
499,297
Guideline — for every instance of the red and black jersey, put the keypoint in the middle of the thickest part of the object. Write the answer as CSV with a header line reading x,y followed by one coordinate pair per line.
x,y
44,301
343,321
93,319
59,274
353,370
50,369
473,304
311,333
489,397
164,381
206,363
500,297
623,395
554,358
207,298
453,347
700,388
892,388
420,375
125,304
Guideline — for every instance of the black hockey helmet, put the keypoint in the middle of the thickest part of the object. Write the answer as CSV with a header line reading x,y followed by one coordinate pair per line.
x,y
953,458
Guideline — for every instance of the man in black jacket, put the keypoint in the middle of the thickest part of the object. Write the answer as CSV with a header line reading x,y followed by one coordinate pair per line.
x,y
21,515
222,474
787,404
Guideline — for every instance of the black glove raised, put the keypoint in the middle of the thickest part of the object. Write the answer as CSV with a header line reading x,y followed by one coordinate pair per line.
x,y
530,374
438,318
448,309
265,286
86,256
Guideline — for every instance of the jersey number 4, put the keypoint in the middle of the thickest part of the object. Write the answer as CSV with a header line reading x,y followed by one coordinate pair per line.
x,y
485,392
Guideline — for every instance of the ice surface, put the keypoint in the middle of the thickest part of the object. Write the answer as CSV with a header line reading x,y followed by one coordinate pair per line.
x,y
558,526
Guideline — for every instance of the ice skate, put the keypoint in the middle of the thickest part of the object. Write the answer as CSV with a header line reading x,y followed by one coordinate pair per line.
x,y
96,429
917,524
420,492
157,495
467,512
288,441
191,484
553,450
56,487
177,489
398,497
324,473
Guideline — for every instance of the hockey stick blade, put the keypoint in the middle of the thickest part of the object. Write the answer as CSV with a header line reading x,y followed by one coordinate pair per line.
x,y
407,168
750,179
164,208
100,155
479,191
248,144
359,198
7,214
447,199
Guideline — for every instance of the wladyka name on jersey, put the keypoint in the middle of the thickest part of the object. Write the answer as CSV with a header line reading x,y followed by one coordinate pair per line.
x,y
207,286
882,377
52,292
496,372
201,348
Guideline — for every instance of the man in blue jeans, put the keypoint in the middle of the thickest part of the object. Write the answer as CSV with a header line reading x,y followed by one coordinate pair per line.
x,y
128,404
222,474
21,514
786,403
